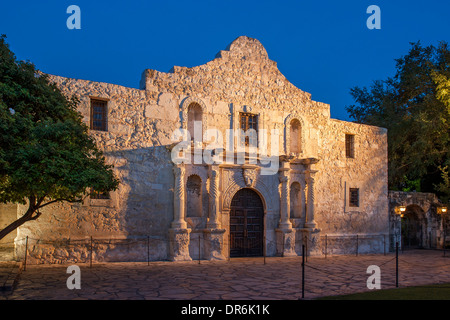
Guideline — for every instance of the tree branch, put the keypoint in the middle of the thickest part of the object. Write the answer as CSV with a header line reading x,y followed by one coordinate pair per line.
x,y
37,215
59,199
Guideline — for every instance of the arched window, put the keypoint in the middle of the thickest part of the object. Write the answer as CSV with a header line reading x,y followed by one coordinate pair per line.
x,y
194,123
194,196
295,200
295,136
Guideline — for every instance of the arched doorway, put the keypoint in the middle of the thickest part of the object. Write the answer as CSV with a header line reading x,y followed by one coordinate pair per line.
x,y
413,227
246,224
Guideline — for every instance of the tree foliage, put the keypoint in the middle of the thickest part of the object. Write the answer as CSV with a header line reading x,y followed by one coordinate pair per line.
x,y
414,105
46,153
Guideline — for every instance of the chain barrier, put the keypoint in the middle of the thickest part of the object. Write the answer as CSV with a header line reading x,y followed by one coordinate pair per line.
x,y
386,262
141,242
423,266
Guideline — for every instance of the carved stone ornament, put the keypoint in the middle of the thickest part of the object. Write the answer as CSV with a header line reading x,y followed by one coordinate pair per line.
x,y
250,175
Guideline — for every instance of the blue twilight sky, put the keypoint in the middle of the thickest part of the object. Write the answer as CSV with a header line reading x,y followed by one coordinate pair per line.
x,y
322,47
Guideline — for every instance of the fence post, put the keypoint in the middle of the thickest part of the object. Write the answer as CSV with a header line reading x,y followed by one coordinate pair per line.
x,y
396,264
148,250
26,253
90,256
444,242
326,245
199,248
229,246
356,245
306,248
303,271
429,237
264,249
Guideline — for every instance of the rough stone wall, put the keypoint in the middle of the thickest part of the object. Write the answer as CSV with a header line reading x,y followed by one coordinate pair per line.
x,y
8,213
140,122
367,171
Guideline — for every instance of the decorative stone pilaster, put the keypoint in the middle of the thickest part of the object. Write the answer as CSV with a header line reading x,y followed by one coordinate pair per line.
x,y
179,233
214,247
213,221
285,223
284,233
310,223
179,200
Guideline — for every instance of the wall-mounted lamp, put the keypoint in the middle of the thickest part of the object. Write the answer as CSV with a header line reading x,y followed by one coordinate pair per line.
x,y
442,210
400,210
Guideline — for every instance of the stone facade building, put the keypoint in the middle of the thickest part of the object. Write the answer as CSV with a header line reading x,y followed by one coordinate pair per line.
x,y
213,196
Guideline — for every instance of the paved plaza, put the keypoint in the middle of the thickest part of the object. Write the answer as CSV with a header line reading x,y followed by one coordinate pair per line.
x,y
237,279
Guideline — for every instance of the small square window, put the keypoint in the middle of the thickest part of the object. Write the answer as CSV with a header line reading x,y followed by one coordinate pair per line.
x,y
100,195
99,115
350,145
354,197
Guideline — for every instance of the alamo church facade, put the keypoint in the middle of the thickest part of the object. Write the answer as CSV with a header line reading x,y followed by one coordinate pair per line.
x,y
330,176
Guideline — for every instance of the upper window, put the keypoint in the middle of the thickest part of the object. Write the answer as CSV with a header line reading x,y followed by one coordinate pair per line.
x,y
295,136
354,197
350,145
99,115
194,125
249,125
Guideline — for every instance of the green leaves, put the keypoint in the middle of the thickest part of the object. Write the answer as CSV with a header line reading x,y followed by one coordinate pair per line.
x,y
46,152
414,106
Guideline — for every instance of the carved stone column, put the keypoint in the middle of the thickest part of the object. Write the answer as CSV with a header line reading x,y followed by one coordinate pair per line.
x,y
179,199
213,222
179,233
285,233
310,233
214,246
285,223
310,223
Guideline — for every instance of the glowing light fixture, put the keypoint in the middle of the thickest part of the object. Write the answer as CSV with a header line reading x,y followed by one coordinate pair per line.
x,y
400,210
442,210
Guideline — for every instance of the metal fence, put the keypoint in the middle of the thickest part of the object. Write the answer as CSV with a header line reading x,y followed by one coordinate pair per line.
x,y
148,248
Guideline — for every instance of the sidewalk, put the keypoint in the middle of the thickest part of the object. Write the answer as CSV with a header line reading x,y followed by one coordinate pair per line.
x,y
9,273
237,279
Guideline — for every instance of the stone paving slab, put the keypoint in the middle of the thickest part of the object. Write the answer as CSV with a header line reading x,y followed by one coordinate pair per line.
x,y
237,279
9,273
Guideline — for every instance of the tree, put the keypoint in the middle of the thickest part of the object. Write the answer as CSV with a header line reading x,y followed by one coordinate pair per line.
x,y
46,153
443,94
414,106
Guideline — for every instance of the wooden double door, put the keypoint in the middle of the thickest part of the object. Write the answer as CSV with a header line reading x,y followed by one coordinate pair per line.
x,y
246,224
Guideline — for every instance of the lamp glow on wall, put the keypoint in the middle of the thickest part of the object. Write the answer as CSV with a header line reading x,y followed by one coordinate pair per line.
x,y
442,210
400,210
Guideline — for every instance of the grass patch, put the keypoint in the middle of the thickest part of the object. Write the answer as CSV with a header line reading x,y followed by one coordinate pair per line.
x,y
427,292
